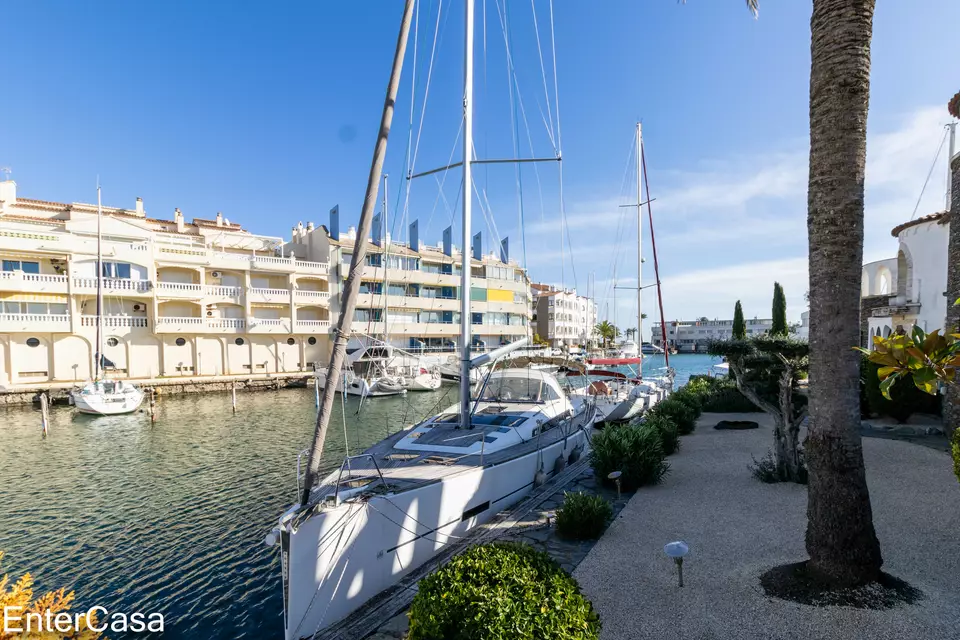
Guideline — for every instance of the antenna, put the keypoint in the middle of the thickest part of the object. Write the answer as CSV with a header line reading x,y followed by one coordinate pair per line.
x,y
6,171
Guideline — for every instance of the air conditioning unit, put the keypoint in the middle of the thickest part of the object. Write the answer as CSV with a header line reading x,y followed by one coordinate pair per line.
x,y
216,274
139,307
209,314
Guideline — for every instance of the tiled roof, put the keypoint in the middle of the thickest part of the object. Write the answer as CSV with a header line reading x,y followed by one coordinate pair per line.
x,y
933,217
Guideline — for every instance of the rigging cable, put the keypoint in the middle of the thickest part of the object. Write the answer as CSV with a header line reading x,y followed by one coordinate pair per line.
x,y
932,167
556,96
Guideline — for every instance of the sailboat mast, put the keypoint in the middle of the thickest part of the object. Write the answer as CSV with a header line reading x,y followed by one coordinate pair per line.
x,y
466,263
99,356
656,262
639,246
386,263
352,286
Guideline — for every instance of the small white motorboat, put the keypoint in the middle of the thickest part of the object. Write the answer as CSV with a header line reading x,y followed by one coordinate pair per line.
x,y
107,397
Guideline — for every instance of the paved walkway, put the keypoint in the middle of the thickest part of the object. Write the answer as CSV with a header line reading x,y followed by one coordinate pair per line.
x,y
738,527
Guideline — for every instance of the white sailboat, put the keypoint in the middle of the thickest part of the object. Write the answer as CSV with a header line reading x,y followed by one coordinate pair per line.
x,y
366,373
391,508
100,396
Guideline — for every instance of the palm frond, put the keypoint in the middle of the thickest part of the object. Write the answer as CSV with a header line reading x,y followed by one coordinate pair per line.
x,y
752,5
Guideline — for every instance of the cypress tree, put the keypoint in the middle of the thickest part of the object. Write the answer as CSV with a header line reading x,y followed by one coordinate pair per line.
x,y
739,326
779,327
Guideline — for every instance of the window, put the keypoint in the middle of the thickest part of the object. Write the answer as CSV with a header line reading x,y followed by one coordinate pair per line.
x,y
19,265
514,389
238,342
112,342
346,257
398,315
396,290
476,318
367,315
37,308
180,342
371,287
116,270
33,342
375,260
311,341
291,341
520,298
498,318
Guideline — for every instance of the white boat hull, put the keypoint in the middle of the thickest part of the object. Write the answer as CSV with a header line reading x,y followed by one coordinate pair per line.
x,y
356,386
340,558
422,382
620,410
108,404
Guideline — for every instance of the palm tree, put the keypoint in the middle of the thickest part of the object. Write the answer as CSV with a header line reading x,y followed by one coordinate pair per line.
x,y
951,406
607,332
840,539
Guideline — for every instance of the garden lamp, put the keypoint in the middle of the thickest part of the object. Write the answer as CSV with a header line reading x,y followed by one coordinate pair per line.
x,y
677,550
615,476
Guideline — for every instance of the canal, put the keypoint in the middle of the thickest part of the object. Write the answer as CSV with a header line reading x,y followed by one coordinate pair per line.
x,y
170,517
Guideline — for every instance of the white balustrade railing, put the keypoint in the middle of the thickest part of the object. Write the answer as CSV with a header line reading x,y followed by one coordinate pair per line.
x,y
35,321
115,284
115,321
257,292
226,323
224,292
179,321
319,324
302,294
180,287
312,266
268,322
44,277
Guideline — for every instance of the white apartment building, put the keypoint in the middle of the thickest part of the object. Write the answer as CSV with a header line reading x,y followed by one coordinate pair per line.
x,y
410,297
180,298
692,336
564,318
909,289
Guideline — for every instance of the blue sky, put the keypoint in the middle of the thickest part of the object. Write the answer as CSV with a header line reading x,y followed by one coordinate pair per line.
x,y
268,114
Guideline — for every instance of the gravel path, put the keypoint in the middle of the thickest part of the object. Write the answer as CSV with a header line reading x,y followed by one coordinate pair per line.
x,y
737,527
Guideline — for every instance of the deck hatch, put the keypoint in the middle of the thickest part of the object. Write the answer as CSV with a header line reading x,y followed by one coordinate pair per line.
x,y
473,511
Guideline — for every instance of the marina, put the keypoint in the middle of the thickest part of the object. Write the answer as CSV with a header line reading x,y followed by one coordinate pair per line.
x,y
171,517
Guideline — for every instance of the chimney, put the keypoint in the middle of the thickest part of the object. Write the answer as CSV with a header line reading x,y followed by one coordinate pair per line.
x,y
8,195
377,229
219,219
335,223
140,207
477,247
448,241
415,236
352,233
178,219
309,227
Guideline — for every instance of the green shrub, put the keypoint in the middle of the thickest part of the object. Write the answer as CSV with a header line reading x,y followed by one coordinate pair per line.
x,y
691,399
583,516
681,413
634,450
905,400
669,434
501,591
955,449
727,399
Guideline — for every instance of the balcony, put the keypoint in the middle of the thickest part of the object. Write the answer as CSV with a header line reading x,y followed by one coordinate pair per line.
x,y
116,322
115,286
280,296
175,324
180,291
288,265
303,296
269,325
312,326
32,282
217,293
34,323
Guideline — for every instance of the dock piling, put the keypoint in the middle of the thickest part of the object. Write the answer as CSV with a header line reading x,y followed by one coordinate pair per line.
x,y
44,413
153,406
234,392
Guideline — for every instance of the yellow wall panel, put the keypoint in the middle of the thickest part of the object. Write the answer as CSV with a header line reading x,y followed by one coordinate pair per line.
x,y
499,295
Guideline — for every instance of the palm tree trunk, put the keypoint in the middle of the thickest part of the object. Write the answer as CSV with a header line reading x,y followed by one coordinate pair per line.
x,y
840,538
951,406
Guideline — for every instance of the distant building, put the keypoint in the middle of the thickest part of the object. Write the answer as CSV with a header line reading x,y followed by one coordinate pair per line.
x,y
909,289
410,292
562,318
692,336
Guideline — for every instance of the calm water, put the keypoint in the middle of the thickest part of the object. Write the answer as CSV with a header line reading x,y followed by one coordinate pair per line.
x,y
170,517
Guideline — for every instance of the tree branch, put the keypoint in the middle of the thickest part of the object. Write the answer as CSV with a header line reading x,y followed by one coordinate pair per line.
x,y
749,393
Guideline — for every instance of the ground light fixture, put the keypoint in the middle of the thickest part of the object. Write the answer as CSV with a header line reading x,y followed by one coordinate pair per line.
x,y
615,476
677,550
